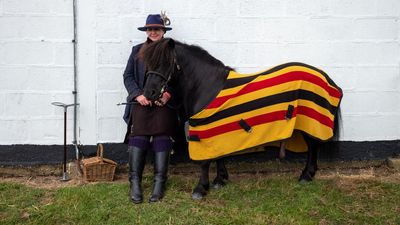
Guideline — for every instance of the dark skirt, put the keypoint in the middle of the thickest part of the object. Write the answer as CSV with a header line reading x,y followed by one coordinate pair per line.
x,y
153,120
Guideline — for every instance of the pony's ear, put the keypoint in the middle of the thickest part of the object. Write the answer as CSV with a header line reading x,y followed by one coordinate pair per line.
x,y
171,43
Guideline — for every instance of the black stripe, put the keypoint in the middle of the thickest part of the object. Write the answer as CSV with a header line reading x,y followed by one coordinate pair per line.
x,y
231,83
266,101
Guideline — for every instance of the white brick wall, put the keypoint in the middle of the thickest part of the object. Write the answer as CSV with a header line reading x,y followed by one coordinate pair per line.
x,y
36,68
356,42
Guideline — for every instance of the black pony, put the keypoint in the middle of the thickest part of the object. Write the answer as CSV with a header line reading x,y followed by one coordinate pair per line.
x,y
230,112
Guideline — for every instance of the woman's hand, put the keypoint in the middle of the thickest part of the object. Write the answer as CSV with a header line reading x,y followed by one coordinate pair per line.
x,y
143,100
163,100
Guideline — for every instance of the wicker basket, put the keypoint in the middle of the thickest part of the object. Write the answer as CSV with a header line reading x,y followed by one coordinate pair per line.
x,y
98,168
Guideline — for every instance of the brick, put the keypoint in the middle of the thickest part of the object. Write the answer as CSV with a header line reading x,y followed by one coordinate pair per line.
x,y
107,28
2,105
285,29
2,54
111,129
112,53
296,8
64,54
24,7
197,29
366,78
352,8
367,127
249,8
44,7
211,9
269,8
50,131
37,27
375,29
345,77
57,78
107,104
28,105
110,78
152,7
259,55
388,8
329,29
371,102
14,78
61,7
227,53
129,29
118,7
226,31
14,131
345,53
13,25
65,97
34,53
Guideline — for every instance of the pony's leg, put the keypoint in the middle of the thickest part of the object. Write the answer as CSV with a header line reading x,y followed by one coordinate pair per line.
x,y
222,174
203,186
282,150
312,157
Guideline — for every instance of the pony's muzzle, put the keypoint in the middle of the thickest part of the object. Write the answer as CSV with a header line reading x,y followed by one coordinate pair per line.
x,y
152,95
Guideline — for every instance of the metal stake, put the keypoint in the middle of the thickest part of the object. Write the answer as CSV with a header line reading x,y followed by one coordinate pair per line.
x,y
65,176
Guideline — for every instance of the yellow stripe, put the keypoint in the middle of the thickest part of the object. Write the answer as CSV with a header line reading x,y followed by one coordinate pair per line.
x,y
294,85
233,74
264,110
239,140
246,115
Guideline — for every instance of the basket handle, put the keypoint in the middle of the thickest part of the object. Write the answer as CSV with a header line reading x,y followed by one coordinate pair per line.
x,y
100,151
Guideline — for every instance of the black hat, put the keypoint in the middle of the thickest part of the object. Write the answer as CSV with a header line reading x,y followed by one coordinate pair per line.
x,y
154,21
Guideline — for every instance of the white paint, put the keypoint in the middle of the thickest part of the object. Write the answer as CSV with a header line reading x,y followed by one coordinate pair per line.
x,y
356,42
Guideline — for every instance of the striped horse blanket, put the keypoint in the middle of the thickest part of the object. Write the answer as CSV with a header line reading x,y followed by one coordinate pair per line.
x,y
264,108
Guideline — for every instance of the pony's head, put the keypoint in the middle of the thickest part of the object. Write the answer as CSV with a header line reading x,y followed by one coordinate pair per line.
x,y
160,60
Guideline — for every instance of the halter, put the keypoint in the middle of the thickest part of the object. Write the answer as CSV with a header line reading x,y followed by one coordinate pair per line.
x,y
165,78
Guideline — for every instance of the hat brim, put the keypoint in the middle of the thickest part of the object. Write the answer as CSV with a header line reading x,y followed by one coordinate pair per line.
x,y
162,27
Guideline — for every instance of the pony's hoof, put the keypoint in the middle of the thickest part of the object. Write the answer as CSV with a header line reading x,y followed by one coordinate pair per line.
x,y
218,186
197,196
305,179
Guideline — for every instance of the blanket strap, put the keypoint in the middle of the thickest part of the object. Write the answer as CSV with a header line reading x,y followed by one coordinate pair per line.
x,y
193,138
245,125
289,112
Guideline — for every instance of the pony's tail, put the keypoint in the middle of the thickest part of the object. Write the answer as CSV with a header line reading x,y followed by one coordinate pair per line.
x,y
331,148
337,125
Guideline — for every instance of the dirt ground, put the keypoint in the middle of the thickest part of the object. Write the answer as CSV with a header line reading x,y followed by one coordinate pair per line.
x,y
49,177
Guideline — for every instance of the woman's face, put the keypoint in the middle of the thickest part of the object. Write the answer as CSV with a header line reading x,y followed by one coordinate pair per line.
x,y
154,34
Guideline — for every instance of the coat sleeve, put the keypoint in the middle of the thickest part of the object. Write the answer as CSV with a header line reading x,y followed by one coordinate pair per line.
x,y
130,78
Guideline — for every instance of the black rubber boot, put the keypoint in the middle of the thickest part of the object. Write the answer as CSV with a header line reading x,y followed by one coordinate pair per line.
x,y
137,160
161,160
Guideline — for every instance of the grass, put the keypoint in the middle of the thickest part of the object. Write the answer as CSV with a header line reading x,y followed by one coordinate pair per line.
x,y
251,199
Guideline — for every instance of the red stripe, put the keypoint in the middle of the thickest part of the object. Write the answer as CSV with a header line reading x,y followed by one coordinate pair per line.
x,y
312,113
263,119
284,78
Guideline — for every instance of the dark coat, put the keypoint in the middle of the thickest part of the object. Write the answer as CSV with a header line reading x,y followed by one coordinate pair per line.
x,y
134,77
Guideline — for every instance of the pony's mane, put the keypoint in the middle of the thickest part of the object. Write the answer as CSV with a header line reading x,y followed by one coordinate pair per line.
x,y
203,55
157,52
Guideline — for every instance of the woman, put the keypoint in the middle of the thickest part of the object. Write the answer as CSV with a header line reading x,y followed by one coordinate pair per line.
x,y
150,124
